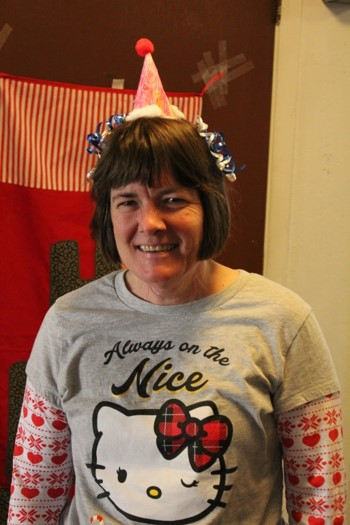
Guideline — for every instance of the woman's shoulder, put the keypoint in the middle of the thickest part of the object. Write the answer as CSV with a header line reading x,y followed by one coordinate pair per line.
x,y
268,294
90,294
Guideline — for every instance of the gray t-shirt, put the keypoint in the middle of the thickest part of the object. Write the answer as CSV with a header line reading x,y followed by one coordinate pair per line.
x,y
172,408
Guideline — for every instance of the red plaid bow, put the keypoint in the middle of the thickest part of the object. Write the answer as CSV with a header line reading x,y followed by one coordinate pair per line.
x,y
206,439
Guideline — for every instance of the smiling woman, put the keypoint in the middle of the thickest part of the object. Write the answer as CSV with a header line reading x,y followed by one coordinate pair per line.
x,y
164,210
158,233
181,386
145,149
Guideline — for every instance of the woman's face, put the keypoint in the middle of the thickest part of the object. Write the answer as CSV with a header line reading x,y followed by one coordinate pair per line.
x,y
158,231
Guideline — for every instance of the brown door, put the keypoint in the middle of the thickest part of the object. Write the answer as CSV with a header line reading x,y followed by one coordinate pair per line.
x,y
90,43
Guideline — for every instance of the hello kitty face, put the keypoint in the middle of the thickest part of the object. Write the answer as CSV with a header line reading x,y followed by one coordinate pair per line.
x,y
162,466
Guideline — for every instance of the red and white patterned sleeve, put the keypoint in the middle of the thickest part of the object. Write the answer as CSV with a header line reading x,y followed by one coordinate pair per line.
x,y
312,442
42,463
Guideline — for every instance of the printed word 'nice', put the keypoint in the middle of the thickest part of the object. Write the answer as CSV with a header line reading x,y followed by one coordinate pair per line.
x,y
160,376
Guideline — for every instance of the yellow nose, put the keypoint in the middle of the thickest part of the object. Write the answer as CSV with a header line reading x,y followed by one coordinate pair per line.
x,y
154,492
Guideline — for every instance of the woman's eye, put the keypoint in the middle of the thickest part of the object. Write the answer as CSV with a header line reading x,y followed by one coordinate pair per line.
x,y
175,201
126,203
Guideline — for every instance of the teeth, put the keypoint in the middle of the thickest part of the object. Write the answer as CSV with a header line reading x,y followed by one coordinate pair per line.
x,y
157,247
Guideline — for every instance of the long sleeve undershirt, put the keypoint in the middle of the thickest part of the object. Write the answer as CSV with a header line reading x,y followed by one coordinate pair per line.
x,y
311,438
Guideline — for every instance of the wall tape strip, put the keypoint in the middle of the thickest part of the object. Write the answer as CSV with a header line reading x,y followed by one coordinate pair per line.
x,y
5,33
217,75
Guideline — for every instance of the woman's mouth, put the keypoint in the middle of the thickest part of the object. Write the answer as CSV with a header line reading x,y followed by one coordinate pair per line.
x,y
156,247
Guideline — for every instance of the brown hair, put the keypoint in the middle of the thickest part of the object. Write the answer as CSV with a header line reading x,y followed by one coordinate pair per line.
x,y
141,150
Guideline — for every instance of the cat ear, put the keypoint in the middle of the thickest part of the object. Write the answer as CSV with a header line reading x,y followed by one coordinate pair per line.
x,y
109,419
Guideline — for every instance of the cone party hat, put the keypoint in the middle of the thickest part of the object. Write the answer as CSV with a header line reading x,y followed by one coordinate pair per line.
x,y
150,91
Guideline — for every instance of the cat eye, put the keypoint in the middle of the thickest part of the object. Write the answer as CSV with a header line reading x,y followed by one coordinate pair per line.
x,y
190,485
122,475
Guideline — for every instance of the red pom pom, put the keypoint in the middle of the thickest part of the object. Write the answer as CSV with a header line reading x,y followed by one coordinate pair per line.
x,y
144,46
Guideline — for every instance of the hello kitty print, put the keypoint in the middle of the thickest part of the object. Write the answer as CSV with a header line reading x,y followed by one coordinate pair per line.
x,y
135,450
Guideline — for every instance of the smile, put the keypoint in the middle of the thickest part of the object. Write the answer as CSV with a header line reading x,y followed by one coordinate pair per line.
x,y
156,247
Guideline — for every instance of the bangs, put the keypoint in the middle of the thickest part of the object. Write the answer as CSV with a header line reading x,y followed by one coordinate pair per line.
x,y
140,162
143,150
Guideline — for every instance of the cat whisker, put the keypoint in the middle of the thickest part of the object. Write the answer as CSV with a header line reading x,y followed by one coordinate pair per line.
x,y
103,494
95,466
216,503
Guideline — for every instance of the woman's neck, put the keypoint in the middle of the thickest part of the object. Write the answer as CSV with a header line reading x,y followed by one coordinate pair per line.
x,y
207,278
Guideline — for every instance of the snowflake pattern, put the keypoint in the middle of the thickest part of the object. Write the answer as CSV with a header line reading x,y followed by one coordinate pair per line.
x,y
36,433
58,478
30,478
36,442
57,413
312,422
51,515
39,405
336,460
27,517
59,445
332,417
339,504
314,464
296,500
21,434
313,460
291,465
27,396
317,505
285,426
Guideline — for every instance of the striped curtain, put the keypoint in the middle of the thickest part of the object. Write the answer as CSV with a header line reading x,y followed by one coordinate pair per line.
x,y
45,205
44,125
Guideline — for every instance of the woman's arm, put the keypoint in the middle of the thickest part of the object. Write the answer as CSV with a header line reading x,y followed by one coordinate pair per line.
x,y
312,441
42,463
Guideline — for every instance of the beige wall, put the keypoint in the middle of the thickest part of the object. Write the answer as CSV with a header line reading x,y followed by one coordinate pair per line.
x,y
307,239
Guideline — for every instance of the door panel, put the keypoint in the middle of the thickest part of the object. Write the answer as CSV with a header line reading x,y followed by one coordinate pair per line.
x,y
90,43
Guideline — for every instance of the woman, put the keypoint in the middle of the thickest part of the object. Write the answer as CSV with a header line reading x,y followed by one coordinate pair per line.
x,y
175,388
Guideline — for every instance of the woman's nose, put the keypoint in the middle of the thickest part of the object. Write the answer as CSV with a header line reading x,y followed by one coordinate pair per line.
x,y
150,219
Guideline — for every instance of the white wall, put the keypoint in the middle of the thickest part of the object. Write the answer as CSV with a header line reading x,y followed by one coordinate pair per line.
x,y
307,240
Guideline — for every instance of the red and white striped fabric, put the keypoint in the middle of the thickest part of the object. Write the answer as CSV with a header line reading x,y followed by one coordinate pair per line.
x,y
43,126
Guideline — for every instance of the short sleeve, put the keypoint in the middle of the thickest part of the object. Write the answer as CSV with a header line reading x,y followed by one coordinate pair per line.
x,y
44,362
309,371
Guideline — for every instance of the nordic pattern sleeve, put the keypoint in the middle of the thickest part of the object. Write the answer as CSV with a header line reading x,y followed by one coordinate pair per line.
x,y
42,464
312,443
